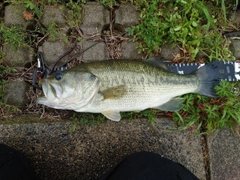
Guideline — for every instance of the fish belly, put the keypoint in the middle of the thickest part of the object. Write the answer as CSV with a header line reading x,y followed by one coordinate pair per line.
x,y
138,98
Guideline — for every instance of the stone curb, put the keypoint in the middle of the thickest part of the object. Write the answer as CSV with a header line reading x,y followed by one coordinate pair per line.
x,y
56,153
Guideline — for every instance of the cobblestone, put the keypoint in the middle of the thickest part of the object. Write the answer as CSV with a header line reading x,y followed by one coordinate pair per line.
x,y
14,15
15,92
127,15
129,51
235,48
169,52
53,50
18,57
94,17
54,14
95,53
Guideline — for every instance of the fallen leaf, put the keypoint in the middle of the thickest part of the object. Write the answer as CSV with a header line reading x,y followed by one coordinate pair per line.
x,y
28,15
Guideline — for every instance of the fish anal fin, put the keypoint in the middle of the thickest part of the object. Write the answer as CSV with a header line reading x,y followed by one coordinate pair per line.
x,y
172,105
114,92
112,115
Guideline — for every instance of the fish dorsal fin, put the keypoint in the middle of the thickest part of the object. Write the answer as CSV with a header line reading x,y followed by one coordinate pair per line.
x,y
172,105
112,115
114,92
157,61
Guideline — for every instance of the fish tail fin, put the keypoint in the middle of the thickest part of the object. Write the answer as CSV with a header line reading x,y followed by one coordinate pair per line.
x,y
209,78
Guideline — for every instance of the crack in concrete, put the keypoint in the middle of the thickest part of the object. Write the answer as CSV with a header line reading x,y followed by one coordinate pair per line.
x,y
206,159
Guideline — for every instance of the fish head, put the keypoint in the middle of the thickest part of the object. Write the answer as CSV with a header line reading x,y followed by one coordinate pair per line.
x,y
68,89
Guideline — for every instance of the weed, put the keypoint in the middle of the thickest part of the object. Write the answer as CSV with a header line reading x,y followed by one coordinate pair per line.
x,y
74,13
89,118
52,30
185,23
109,3
149,114
37,11
29,6
73,127
211,114
14,36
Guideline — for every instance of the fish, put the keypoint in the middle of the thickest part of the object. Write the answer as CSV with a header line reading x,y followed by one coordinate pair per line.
x,y
113,86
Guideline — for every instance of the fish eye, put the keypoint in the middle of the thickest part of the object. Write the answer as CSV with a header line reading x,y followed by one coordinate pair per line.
x,y
92,77
58,76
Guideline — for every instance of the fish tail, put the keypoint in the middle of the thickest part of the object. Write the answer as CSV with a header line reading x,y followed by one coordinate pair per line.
x,y
209,78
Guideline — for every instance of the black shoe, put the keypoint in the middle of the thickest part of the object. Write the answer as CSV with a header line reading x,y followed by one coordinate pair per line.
x,y
14,165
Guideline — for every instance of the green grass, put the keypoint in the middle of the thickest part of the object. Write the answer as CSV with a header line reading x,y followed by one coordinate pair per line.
x,y
88,118
149,114
212,114
109,3
13,36
187,24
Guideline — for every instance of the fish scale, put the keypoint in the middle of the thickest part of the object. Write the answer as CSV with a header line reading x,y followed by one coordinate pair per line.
x,y
144,85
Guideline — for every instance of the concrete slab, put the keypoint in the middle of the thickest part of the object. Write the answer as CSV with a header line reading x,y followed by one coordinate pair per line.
x,y
224,152
54,14
130,51
18,57
95,53
15,92
127,15
14,15
169,52
53,50
56,153
95,16
235,48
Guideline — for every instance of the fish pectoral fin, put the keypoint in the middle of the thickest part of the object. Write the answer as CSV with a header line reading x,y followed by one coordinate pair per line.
x,y
112,115
172,105
114,92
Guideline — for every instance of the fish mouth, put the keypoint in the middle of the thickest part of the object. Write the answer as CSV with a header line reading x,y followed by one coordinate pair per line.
x,y
50,90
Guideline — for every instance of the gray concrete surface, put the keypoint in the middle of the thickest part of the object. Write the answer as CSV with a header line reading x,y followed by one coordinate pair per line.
x,y
224,151
15,92
130,51
18,57
53,50
95,16
169,52
13,15
54,14
235,48
96,53
127,15
56,153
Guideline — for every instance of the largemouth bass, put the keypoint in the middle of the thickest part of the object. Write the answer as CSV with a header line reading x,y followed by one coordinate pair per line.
x,y
113,86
